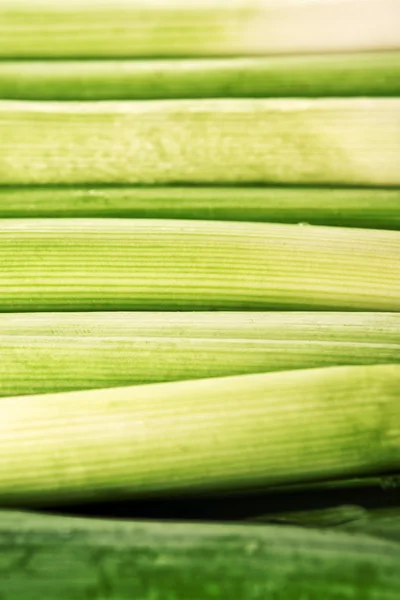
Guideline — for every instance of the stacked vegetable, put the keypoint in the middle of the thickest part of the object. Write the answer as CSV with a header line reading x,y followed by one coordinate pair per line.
x,y
199,299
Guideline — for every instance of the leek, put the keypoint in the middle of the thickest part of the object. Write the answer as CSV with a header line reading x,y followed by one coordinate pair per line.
x,y
210,434
46,557
122,264
49,352
31,365
226,141
358,74
377,208
153,28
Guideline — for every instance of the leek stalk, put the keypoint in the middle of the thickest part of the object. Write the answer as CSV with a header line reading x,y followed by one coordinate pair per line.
x,y
47,556
337,75
342,141
122,264
377,208
154,28
210,434
50,352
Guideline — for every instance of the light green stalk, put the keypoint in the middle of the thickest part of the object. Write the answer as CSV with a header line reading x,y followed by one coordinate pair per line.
x,y
123,264
34,365
213,434
362,327
48,352
358,74
377,208
153,28
226,141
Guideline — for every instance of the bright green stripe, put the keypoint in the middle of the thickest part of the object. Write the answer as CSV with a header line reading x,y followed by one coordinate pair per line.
x,y
153,28
372,208
47,556
220,433
321,141
363,327
123,264
39,364
369,74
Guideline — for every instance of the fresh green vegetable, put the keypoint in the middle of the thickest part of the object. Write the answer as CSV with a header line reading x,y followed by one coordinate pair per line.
x,y
120,264
361,327
152,28
45,557
30,365
355,74
226,141
377,208
49,352
210,434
